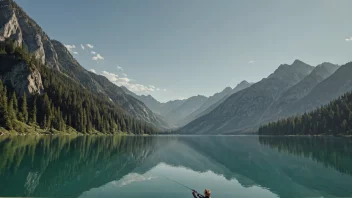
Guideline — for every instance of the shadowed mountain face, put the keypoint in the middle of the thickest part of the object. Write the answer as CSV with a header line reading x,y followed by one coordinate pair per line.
x,y
329,89
286,166
297,92
243,109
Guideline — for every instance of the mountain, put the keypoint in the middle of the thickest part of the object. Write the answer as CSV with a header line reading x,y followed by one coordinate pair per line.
x,y
213,101
177,115
173,112
17,25
329,89
27,34
242,85
297,92
332,119
62,83
243,109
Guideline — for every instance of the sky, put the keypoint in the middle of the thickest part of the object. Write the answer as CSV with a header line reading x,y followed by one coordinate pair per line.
x,y
174,49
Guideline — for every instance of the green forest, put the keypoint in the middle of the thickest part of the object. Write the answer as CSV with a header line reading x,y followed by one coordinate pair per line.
x,y
334,118
65,105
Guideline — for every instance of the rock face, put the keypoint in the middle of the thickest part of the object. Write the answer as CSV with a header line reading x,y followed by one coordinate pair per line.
x,y
243,109
17,25
20,77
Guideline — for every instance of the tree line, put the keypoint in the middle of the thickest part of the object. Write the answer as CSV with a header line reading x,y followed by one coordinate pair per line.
x,y
334,118
64,104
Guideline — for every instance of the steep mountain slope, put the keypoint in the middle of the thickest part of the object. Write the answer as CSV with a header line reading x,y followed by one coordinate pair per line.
x,y
297,92
203,110
244,108
332,119
101,85
331,88
176,116
26,33
209,102
17,25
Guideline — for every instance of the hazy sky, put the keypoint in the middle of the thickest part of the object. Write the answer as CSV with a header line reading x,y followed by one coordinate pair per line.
x,y
179,48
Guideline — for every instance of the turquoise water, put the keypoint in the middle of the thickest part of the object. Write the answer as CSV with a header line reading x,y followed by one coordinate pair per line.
x,y
231,166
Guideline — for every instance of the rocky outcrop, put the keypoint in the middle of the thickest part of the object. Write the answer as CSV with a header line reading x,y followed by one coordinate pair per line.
x,y
23,80
17,25
10,27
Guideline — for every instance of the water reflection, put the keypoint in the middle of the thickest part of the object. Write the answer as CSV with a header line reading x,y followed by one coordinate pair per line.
x,y
134,166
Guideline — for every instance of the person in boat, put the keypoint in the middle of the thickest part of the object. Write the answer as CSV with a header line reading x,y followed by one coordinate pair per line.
x,y
207,193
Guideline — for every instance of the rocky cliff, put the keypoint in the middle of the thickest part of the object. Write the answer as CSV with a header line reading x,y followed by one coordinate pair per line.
x,y
17,25
20,76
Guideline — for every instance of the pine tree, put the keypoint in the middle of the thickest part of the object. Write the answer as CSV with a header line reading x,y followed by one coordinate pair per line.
x,y
24,108
34,111
15,104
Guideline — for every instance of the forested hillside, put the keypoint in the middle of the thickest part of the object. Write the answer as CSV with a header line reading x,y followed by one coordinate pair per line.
x,y
64,104
332,119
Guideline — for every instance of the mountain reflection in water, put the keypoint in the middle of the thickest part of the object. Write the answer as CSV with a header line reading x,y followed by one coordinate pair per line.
x,y
231,166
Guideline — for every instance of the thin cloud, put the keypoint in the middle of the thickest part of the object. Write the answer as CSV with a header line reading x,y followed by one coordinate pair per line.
x,y
348,39
251,62
90,46
124,74
75,53
93,52
127,82
70,47
82,46
93,70
164,90
119,68
98,57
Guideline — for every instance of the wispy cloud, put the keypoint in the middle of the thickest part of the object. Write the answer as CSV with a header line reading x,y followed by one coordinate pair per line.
x,y
119,68
82,46
70,47
348,39
75,53
251,62
164,89
98,57
93,52
130,84
93,70
124,74
90,46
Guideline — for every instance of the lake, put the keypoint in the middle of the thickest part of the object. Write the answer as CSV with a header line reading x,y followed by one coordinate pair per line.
x,y
231,166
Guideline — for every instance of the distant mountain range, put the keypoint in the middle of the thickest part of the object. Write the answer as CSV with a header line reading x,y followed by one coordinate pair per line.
x,y
177,113
290,90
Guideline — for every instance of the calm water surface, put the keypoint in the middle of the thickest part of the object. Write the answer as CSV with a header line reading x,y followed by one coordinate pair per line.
x,y
236,166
